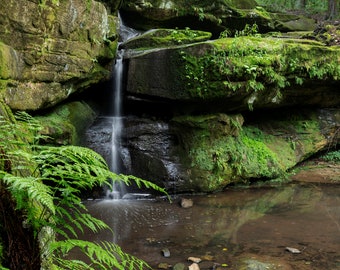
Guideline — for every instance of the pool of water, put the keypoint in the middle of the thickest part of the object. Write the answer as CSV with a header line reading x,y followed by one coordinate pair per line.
x,y
230,227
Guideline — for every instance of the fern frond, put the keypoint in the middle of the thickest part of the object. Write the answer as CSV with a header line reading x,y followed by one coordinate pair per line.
x,y
81,165
104,255
141,183
33,187
46,183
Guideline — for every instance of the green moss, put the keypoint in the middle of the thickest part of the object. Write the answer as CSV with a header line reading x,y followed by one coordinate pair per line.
x,y
255,64
228,159
265,149
66,124
5,61
333,156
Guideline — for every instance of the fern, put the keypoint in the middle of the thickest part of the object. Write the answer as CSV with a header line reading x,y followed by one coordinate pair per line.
x,y
30,186
103,255
46,183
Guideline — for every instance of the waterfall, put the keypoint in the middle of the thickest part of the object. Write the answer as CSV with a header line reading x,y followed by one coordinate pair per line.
x,y
118,188
117,125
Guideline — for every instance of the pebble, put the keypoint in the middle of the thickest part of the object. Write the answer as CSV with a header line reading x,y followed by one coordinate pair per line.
x,y
207,257
179,266
194,266
194,259
293,250
186,203
166,252
163,266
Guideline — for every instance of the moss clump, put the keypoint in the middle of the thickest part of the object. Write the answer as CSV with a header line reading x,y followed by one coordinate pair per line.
x,y
67,123
231,159
221,152
255,64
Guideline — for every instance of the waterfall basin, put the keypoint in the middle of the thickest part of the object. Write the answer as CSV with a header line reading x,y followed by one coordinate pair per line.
x,y
230,229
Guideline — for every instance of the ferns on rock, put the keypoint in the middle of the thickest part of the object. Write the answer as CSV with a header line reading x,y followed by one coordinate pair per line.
x,y
45,182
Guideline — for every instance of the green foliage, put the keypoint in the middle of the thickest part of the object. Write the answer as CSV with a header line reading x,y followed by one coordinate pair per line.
x,y
111,253
234,158
249,30
332,156
1,256
312,6
253,64
46,184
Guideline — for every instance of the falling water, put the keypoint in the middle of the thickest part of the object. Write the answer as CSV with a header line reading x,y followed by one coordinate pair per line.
x,y
118,188
117,125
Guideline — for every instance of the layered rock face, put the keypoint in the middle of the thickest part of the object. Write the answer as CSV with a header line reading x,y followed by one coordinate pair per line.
x,y
238,74
241,109
50,49
210,111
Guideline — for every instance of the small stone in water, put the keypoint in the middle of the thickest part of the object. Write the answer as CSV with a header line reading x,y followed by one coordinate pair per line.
x,y
179,266
194,259
194,266
166,252
293,250
186,203
207,257
163,266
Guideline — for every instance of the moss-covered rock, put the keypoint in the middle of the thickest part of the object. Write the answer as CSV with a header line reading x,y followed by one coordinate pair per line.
x,y
217,150
240,73
326,33
56,48
66,123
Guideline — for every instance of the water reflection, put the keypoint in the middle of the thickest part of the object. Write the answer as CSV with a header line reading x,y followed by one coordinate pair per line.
x,y
225,226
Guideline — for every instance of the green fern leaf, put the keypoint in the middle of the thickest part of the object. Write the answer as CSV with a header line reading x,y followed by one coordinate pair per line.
x,y
33,187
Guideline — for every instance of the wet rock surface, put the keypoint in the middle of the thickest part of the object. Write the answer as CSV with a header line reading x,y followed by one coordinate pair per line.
x,y
193,154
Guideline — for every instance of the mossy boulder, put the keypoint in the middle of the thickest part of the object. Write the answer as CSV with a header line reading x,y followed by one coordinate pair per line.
x,y
264,148
54,49
209,16
66,123
239,73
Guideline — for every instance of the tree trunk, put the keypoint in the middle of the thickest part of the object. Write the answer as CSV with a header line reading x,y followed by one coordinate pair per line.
x,y
302,4
20,247
333,11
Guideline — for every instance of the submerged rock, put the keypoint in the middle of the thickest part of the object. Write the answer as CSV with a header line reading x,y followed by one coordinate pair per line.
x,y
187,203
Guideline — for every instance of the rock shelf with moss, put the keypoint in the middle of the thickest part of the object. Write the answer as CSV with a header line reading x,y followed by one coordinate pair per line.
x,y
246,72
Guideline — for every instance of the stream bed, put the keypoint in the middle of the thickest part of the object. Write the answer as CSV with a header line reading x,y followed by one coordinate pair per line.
x,y
232,229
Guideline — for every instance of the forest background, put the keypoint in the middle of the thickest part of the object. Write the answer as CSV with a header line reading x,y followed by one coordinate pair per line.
x,y
324,9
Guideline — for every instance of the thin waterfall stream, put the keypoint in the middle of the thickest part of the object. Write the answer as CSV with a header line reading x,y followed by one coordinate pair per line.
x,y
118,188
